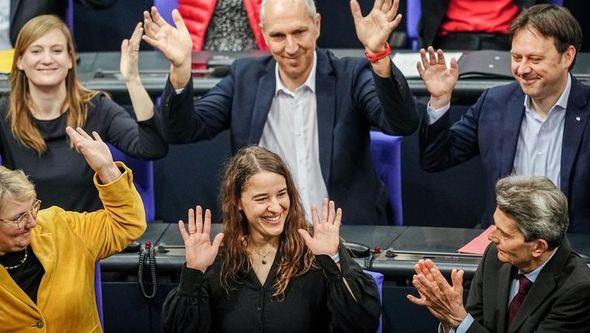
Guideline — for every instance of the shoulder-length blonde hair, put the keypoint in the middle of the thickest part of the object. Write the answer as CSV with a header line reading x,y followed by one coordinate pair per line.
x,y
296,258
77,97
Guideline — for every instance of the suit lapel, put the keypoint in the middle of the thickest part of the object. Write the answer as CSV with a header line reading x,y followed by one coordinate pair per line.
x,y
326,112
543,286
44,247
264,96
502,291
575,123
510,131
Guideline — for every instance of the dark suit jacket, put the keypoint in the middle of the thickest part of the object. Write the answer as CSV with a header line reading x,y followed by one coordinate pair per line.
x,y
433,13
350,99
21,11
558,301
490,128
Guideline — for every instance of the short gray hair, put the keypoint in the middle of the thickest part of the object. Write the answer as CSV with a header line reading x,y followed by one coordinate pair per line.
x,y
309,4
537,206
14,184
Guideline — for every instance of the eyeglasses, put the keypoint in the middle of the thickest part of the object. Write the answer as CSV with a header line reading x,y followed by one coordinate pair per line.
x,y
24,217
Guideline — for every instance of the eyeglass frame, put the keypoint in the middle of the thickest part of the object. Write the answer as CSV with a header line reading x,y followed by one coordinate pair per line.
x,y
32,211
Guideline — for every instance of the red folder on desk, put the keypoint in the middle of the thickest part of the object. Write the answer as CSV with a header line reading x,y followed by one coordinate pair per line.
x,y
478,244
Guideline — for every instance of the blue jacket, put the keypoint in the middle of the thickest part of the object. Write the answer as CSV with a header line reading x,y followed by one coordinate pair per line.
x,y
350,100
491,127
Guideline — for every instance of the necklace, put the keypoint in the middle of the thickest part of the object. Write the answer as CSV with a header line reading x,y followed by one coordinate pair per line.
x,y
21,262
263,256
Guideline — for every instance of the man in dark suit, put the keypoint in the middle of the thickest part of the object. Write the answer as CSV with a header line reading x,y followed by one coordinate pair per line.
x,y
21,11
536,126
529,280
467,24
303,103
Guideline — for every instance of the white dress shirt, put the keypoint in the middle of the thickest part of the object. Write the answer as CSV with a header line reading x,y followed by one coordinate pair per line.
x,y
291,131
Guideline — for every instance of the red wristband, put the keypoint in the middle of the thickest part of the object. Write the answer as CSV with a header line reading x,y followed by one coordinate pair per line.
x,y
373,57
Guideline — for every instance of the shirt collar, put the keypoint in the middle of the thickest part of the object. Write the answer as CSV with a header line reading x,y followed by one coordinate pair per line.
x,y
533,275
561,103
310,82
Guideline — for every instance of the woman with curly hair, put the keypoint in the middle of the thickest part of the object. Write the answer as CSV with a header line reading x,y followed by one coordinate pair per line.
x,y
274,272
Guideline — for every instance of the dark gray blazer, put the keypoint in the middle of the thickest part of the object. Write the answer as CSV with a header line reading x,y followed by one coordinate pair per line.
x,y
558,301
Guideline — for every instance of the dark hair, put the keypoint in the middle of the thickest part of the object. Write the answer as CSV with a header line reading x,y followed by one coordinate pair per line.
x,y
537,206
296,258
550,21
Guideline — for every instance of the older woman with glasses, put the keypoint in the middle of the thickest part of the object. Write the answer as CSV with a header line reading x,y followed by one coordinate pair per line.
x,y
47,257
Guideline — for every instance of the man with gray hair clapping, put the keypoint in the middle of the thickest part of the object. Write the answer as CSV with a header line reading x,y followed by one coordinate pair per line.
x,y
529,279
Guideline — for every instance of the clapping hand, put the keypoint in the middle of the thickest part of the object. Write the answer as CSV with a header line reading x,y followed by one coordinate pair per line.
x,y
96,152
326,232
443,300
174,43
438,79
130,55
374,29
200,252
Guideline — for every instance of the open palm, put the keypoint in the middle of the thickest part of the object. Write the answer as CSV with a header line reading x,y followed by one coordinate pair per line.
x,y
174,43
326,232
200,251
374,29
439,79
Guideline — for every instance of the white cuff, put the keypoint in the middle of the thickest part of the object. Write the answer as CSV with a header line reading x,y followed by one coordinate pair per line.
x,y
434,115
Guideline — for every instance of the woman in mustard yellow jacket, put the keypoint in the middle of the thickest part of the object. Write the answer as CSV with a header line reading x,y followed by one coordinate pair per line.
x,y
47,256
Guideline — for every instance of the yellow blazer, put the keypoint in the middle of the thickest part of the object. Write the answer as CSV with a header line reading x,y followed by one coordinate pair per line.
x,y
68,244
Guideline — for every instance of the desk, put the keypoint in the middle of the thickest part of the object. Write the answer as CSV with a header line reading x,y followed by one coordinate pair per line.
x,y
100,70
398,314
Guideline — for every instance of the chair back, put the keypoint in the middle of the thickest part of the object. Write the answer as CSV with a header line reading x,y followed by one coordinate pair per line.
x,y
386,154
413,13
378,278
143,178
165,8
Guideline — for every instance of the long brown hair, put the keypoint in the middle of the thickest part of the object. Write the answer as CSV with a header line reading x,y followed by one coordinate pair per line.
x,y
77,97
296,258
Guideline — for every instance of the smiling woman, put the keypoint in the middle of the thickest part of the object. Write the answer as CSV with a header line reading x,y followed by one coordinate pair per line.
x,y
45,98
274,272
47,256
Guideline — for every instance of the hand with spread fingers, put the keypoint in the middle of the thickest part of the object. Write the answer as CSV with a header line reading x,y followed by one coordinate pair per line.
x,y
200,251
374,29
129,65
326,232
439,79
96,152
443,300
174,42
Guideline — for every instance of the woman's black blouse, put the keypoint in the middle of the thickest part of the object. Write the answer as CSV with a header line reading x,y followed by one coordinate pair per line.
x,y
317,301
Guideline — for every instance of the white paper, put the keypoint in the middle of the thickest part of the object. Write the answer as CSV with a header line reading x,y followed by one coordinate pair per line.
x,y
406,62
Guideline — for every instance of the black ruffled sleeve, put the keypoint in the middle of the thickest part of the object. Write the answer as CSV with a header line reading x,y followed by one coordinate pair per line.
x,y
186,308
350,314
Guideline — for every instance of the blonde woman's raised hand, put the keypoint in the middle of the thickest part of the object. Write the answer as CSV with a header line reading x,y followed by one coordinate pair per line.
x,y
200,251
96,152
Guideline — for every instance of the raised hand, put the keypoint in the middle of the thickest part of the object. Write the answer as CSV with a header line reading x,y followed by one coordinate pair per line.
x,y
374,29
200,252
129,65
174,43
96,152
439,79
326,232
